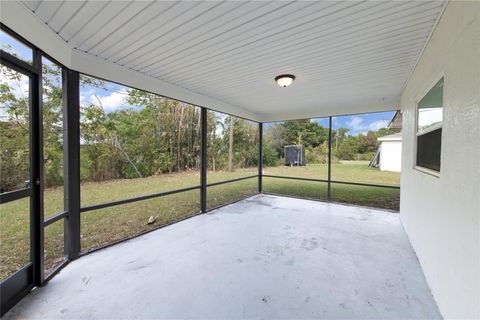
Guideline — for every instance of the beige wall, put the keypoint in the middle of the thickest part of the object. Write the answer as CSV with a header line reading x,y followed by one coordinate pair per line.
x,y
441,215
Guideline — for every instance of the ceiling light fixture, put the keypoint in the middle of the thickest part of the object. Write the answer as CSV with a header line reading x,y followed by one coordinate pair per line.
x,y
284,80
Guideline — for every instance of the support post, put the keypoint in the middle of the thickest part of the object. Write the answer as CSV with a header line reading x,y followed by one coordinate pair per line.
x,y
329,158
203,153
260,156
36,171
71,161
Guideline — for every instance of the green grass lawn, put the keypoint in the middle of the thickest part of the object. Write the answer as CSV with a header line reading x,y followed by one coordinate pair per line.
x,y
100,227
349,171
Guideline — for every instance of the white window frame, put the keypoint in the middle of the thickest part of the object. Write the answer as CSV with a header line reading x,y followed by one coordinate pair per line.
x,y
432,128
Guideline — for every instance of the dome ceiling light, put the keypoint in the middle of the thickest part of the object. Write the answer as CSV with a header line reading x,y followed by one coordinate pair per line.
x,y
284,80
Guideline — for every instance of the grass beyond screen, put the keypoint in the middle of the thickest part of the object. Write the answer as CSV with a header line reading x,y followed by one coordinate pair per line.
x,y
108,225
229,192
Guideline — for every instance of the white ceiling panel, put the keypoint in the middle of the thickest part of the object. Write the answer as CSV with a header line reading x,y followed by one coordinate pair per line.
x,y
65,13
76,23
132,29
143,34
82,33
326,40
348,56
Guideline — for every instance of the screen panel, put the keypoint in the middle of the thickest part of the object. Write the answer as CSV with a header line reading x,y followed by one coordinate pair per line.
x,y
52,118
296,188
230,192
366,149
376,197
14,236
54,253
135,143
232,147
108,225
296,148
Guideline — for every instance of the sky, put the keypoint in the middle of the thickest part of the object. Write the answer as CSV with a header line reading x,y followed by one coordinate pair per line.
x,y
17,48
358,123
113,98
362,123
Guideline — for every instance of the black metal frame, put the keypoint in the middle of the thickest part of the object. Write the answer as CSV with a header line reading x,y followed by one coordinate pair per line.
x,y
260,156
295,178
54,218
329,182
140,198
15,195
329,192
212,184
71,161
203,169
20,283
36,168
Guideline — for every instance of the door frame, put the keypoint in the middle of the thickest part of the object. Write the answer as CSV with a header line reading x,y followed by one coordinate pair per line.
x,y
19,284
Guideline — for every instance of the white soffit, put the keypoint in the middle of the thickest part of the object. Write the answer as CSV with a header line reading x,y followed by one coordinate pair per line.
x,y
348,57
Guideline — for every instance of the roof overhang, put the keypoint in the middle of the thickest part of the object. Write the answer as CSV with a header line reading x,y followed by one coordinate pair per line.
x,y
392,137
336,73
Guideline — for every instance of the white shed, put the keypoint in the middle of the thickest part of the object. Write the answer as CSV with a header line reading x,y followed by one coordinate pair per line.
x,y
391,152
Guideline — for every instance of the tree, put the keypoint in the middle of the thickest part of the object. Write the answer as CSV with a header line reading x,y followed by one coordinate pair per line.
x,y
340,135
270,155
52,124
14,130
348,149
305,132
275,136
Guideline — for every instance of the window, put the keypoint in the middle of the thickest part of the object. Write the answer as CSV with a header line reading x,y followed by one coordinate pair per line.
x,y
429,128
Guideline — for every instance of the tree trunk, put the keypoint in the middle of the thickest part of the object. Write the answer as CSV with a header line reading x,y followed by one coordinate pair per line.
x,y
179,140
119,147
230,145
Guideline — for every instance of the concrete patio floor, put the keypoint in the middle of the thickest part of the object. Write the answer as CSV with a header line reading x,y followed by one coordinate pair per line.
x,y
263,257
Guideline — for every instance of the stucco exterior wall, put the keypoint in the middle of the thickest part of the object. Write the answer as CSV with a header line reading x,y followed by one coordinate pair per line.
x,y
391,156
441,215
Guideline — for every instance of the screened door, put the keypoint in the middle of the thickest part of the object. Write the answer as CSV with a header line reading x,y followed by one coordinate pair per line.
x,y
19,182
